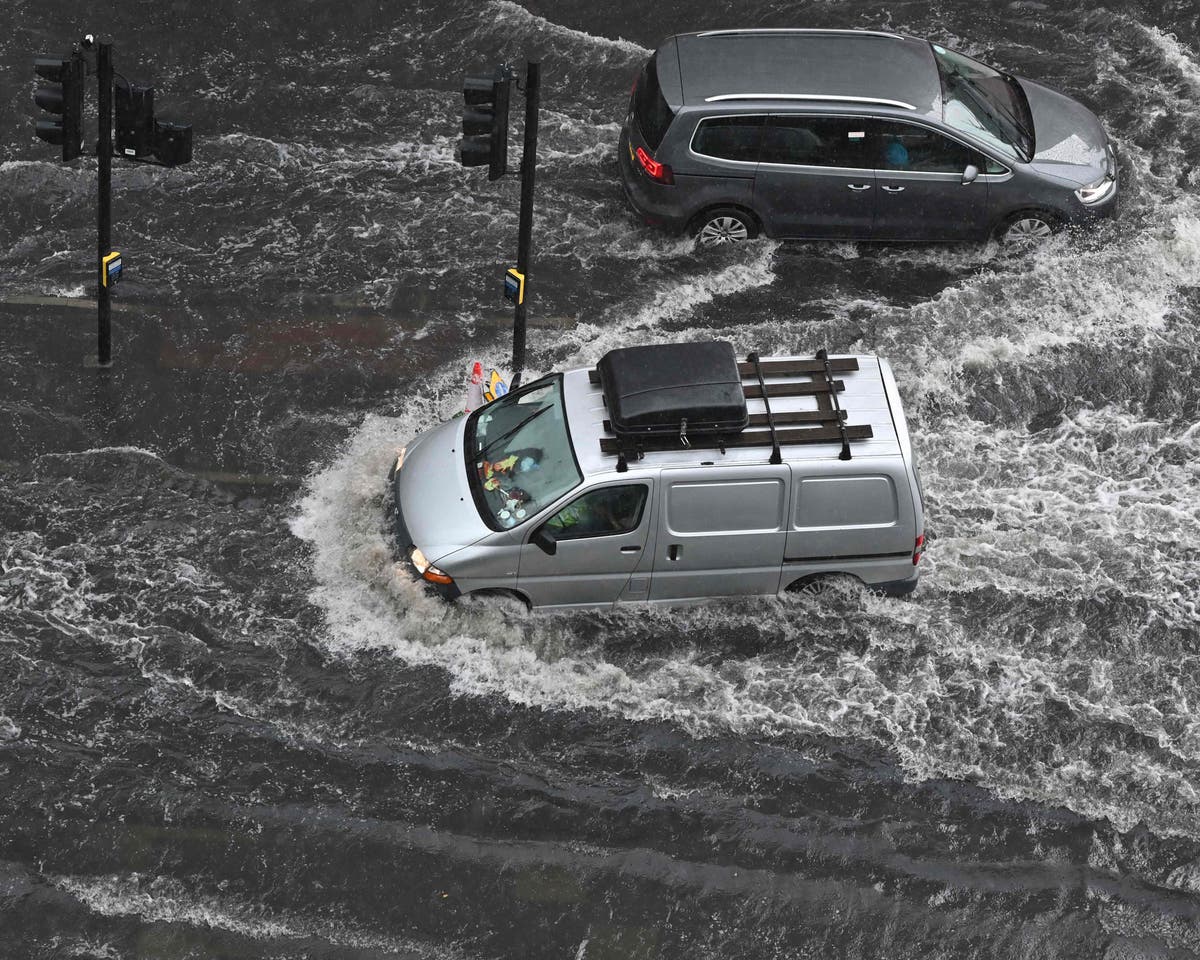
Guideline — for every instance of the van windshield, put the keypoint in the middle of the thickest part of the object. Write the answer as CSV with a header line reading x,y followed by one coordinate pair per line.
x,y
519,454
649,105
985,103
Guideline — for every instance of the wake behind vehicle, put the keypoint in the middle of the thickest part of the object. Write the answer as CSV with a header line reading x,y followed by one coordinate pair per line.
x,y
855,135
670,473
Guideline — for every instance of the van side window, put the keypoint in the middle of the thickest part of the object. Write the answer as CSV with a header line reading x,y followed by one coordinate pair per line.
x,y
824,503
909,147
814,141
729,138
600,513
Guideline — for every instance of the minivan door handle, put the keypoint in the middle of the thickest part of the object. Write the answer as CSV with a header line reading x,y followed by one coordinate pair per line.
x,y
894,189
859,186
630,549
673,552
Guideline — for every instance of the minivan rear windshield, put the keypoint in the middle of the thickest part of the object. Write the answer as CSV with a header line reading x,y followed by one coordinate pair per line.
x,y
519,454
985,103
649,107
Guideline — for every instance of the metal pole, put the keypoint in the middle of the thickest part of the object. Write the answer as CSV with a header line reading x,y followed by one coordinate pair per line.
x,y
525,230
104,73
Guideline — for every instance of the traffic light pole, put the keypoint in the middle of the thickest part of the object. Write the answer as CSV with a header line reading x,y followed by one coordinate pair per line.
x,y
104,151
525,229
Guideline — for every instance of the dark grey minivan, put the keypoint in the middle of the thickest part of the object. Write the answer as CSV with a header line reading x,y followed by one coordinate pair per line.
x,y
855,135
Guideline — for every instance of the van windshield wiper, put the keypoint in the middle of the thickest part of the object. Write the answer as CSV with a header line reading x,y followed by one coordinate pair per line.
x,y
484,451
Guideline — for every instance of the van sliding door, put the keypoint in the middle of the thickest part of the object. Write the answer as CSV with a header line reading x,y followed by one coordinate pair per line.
x,y
721,532
814,178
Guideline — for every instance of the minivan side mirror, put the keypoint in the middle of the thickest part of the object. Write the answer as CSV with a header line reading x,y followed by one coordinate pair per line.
x,y
970,174
544,540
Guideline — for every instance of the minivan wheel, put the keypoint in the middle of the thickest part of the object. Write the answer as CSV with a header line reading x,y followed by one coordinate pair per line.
x,y
723,226
1029,228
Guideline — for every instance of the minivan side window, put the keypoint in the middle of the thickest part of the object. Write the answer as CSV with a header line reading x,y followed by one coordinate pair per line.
x,y
909,147
600,513
815,141
729,138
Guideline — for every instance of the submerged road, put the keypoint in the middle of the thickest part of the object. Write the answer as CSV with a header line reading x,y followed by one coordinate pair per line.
x,y
228,730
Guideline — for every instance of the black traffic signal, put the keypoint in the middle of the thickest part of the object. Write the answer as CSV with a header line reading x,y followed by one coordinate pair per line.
x,y
135,119
61,94
485,122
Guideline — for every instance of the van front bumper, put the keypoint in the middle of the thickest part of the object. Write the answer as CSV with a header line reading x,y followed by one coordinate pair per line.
x,y
404,543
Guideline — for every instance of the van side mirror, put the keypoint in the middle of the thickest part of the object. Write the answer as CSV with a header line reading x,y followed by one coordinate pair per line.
x,y
970,174
544,540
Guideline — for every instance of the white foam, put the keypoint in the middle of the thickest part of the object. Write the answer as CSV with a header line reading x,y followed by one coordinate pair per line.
x,y
507,11
163,900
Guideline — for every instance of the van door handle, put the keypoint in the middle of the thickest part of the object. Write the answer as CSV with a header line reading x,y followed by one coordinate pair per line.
x,y
630,549
894,189
673,552
859,186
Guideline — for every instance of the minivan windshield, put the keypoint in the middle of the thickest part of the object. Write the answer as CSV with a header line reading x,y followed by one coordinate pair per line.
x,y
985,103
519,454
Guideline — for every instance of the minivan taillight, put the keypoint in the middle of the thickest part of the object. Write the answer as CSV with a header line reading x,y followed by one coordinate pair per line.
x,y
656,171
918,549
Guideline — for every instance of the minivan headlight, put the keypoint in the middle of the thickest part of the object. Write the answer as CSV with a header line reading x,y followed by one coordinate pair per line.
x,y
426,569
1096,192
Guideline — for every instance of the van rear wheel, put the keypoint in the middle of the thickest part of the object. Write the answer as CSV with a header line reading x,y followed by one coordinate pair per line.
x,y
828,586
723,226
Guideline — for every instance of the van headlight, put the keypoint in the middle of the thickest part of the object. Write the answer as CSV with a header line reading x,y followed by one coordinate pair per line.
x,y
1096,192
426,569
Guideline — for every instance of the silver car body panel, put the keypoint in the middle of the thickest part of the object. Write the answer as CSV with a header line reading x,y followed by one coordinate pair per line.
x,y
714,524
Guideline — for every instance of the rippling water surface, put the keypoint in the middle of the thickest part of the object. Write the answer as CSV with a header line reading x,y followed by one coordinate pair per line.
x,y
228,730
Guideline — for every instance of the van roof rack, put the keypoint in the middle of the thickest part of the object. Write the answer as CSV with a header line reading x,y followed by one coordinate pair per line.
x,y
670,431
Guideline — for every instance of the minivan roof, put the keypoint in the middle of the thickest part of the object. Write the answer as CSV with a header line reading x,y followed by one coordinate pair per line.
x,y
843,65
865,400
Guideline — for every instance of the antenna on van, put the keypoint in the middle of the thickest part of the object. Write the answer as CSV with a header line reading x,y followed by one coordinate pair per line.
x,y
823,356
776,456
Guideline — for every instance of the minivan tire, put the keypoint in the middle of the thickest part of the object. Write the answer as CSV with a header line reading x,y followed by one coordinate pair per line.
x,y
1028,228
724,225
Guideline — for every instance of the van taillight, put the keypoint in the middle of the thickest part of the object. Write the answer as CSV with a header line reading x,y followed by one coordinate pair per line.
x,y
654,170
918,549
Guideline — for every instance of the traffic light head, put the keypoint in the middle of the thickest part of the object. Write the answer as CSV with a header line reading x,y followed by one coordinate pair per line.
x,y
61,94
135,119
485,122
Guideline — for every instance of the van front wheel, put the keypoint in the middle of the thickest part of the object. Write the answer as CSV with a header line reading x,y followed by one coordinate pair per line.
x,y
1027,229
724,225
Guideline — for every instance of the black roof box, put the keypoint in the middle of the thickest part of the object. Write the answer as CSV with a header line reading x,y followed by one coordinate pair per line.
x,y
652,390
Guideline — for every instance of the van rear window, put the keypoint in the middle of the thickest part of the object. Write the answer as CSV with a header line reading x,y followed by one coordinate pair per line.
x,y
649,106
729,138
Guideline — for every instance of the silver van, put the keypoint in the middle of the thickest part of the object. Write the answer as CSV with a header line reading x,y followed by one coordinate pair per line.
x,y
855,135
671,473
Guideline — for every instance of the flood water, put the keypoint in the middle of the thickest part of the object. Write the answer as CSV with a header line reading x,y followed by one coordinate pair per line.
x,y
227,729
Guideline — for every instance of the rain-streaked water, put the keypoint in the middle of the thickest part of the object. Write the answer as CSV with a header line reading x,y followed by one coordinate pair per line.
x,y
227,729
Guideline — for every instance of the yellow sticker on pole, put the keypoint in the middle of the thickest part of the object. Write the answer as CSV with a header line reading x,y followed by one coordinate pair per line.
x,y
110,269
514,285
